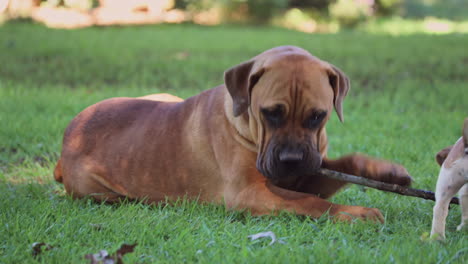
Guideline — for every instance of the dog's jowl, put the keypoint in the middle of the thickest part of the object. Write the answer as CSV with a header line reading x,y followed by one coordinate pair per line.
x,y
253,142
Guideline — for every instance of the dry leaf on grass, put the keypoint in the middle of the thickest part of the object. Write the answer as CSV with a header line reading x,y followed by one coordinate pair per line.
x,y
39,247
97,227
103,257
266,234
182,55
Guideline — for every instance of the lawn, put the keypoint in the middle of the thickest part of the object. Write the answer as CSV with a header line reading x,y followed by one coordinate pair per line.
x,y
408,99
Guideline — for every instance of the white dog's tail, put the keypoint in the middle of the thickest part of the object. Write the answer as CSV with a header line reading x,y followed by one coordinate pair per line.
x,y
465,135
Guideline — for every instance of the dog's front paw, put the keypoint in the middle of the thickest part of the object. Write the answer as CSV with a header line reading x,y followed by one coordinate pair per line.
x,y
390,173
348,213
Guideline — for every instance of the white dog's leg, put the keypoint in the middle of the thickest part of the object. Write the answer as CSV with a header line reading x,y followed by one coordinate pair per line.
x,y
464,207
448,185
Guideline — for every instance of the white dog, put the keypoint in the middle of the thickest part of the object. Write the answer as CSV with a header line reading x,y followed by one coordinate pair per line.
x,y
453,177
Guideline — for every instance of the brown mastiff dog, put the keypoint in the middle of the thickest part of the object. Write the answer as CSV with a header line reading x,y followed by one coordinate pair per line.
x,y
252,143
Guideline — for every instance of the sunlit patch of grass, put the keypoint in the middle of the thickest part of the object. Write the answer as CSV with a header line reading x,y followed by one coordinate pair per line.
x,y
402,26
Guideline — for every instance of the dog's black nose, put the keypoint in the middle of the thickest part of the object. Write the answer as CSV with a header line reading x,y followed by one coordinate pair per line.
x,y
291,155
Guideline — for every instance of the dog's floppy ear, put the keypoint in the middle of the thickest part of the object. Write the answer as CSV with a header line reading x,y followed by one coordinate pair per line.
x,y
441,156
340,84
239,81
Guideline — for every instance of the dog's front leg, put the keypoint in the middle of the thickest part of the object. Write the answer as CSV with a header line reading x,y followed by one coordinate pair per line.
x,y
374,169
262,197
464,207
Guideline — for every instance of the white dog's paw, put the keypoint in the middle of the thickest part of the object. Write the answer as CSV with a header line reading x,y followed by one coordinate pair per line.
x,y
462,226
437,236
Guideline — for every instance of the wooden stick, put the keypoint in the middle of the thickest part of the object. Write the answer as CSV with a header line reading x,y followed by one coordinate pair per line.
x,y
428,195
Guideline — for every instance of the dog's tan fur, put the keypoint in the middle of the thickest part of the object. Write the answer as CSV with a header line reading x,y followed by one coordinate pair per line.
x,y
209,146
162,97
453,178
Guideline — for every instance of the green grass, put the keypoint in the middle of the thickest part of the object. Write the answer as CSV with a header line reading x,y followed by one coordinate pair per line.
x,y
408,99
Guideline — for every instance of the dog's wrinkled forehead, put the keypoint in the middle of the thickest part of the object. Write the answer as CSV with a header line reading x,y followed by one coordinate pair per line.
x,y
285,67
282,50
293,79
278,55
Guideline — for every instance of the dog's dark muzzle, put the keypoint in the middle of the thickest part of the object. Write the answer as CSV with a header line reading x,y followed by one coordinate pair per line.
x,y
288,160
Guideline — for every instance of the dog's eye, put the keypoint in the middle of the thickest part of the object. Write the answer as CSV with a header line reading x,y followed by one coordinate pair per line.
x,y
274,115
315,119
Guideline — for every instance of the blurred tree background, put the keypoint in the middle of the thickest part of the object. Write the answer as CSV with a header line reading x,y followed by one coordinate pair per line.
x,y
303,15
